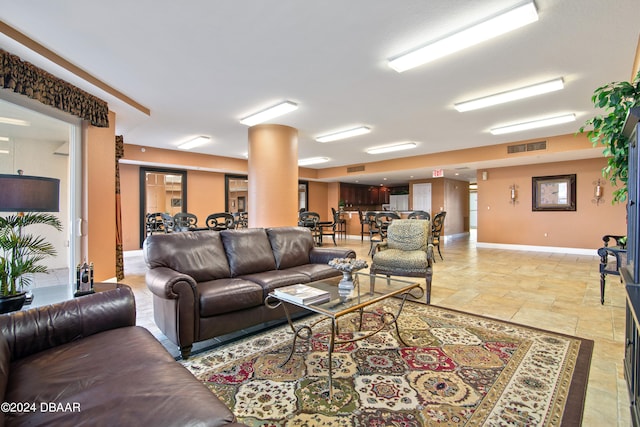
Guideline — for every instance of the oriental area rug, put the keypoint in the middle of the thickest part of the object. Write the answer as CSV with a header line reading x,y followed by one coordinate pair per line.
x,y
456,369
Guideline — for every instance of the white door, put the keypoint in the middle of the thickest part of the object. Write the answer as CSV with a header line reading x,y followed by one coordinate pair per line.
x,y
473,210
422,197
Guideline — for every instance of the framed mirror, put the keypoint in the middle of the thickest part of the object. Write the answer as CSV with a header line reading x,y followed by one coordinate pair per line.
x,y
162,191
237,188
554,193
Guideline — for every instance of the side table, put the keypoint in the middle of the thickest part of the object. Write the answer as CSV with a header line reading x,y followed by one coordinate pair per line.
x,y
58,293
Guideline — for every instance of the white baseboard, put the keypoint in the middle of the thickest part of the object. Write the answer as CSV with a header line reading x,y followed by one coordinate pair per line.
x,y
552,249
448,237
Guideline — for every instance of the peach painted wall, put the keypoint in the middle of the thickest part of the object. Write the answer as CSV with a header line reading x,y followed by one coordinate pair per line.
x,y
130,200
318,193
333,197
99,246
159,156
501,222
555,144
205,194
456,201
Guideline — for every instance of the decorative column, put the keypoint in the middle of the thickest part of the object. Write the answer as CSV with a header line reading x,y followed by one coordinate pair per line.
x,y
273,176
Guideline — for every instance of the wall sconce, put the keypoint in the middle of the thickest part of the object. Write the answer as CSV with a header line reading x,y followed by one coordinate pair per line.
x,y
513,194
598,191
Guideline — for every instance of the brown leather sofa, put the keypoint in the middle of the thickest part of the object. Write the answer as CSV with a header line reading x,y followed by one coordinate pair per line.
x,y
84,362
209,283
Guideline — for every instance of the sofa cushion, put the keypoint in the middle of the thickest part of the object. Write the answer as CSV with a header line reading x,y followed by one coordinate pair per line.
x,y
317,271
115,378
290,245
396,260
227,295
198,254
248,251
270,280
408,234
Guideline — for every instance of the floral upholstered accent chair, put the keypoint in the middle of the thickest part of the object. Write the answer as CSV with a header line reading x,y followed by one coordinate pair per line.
x,y
407,252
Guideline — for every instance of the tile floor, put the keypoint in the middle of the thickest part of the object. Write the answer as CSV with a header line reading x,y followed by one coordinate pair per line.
x,y
553,291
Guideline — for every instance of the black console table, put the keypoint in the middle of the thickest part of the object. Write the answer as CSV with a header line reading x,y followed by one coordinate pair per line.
x,y
58,293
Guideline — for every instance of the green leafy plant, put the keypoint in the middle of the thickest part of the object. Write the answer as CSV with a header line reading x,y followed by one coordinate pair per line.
x,y
616,99
22,252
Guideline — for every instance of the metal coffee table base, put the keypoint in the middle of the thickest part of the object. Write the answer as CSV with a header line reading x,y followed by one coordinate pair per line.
x,y
305,332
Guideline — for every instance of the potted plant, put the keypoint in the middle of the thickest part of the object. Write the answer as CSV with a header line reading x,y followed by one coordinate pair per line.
x,y
616,99
20,256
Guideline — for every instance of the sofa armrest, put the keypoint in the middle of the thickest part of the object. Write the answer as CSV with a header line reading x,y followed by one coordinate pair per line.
x,y
164,282
38,329
324,255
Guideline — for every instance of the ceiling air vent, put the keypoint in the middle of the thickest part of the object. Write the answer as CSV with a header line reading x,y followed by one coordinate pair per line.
x,y
531,146
520,148
355,169
535,146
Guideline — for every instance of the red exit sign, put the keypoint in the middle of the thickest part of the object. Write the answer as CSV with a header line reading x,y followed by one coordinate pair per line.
x,y
438,173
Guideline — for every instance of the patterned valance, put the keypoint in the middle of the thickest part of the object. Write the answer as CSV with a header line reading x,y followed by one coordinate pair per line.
x,y
25,78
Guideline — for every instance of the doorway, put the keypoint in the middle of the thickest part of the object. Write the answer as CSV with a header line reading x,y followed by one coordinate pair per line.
x,y
47,143
473,210
421,197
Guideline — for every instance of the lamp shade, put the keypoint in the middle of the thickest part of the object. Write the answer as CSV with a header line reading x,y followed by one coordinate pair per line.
x,y
22,193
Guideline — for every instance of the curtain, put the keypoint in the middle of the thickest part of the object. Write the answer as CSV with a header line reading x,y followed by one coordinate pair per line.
x,y
26,79
119,257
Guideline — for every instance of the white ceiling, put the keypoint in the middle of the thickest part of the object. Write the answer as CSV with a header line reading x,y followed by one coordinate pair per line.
x,y
200,66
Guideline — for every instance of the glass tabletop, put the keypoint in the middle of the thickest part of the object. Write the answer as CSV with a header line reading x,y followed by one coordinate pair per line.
x,y
368,289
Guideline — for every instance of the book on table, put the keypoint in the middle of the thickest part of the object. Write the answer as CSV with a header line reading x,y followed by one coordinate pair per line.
x,y
302,294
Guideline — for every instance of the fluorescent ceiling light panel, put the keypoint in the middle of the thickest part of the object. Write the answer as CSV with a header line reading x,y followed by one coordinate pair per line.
x,y
15,122
270,113
312,161
195,142
492,27
344,134
4,138
511,95
4,151
534,124
391,148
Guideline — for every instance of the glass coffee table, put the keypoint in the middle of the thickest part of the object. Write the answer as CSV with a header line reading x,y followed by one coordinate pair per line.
x,y
368,290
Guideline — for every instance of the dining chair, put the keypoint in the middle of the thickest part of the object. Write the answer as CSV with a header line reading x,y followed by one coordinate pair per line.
x,y
153,223
419,215
185,221
436,230
310,220
364,221
242,220
381,221
220,221
341,224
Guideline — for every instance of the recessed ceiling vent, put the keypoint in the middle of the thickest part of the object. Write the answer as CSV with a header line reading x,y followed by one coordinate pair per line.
x,y
531,146
355,169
